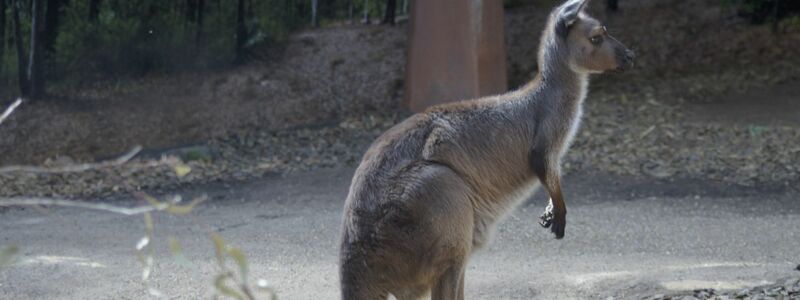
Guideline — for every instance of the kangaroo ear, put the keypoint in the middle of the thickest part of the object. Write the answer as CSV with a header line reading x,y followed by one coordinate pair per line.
x,y
568,14
570,10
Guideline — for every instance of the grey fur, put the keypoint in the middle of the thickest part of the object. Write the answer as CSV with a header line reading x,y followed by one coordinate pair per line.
x,y
430,190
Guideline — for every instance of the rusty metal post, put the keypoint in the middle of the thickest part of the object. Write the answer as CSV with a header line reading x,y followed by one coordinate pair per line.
x,y
456,51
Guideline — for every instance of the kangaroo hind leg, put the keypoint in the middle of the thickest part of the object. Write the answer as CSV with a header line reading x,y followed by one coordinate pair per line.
x,y
450,285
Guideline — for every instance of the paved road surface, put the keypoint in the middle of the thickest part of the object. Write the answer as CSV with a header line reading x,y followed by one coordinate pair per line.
x,y
625,238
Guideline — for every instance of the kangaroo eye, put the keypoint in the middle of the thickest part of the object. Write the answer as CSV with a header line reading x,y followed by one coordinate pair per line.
x,y
597,39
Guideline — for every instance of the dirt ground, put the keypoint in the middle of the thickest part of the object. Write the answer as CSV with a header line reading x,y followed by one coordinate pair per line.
x,y
774,106
687,50
307,85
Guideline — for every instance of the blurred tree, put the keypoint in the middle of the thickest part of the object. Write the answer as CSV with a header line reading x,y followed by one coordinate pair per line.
x,y
241,32
775,15
199,17
94,10
391,9
35,78
2,34
365,20
350,7
91,40
19,42
761,11
191,11
314,7
52,22
612,5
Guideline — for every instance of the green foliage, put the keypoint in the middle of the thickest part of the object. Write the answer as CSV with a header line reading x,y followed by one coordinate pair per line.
x,y
7,255
760,11
133,38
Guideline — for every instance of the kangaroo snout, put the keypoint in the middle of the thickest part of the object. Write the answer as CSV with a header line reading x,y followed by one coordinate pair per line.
x,y
627,60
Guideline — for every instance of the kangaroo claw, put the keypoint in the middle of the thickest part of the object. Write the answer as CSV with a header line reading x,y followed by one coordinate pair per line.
x,y
549,219
546,219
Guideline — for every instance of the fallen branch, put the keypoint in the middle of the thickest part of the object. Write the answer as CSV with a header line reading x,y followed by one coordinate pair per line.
x,y
128,211
171,207
75,168
10,110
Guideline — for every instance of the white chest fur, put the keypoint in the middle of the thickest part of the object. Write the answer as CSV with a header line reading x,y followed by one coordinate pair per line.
x,y
485,223
574,118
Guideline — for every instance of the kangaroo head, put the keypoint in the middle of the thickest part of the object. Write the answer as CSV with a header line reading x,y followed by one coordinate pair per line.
x,y
585,42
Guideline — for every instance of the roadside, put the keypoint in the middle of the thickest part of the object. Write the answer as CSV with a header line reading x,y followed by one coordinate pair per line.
x,y
627,238
688,110
643,134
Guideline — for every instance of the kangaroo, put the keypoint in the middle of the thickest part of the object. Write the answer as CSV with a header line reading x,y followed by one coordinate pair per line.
x,y
430,190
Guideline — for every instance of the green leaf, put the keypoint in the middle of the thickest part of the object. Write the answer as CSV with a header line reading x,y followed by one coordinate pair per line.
x,y
757,130
181,169
177,253
148,224
184,209
241,261
173,208
219,248
154,202
175,247
7,255
219,285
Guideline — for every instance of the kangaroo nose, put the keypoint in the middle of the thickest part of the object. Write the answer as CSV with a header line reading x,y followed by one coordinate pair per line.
x,y
629,54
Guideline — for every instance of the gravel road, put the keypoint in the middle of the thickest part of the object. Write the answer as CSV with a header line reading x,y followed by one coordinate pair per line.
x,y
626,238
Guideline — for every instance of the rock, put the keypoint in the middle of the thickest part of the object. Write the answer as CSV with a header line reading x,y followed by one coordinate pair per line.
x,y
742,293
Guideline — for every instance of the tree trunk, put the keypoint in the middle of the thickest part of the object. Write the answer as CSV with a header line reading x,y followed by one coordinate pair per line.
x,y
191,11
391,9
2,33
201,8
241,32
612,5
10,35
94,10
52,22
366,12
35,77
314,8
24,86
350,10
775,18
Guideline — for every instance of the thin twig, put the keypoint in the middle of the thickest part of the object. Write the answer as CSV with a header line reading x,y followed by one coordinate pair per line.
x,y
128,211
75,168
10,110
172,207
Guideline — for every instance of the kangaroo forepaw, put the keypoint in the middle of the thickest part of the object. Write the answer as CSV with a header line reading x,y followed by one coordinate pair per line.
x,y
555,221
546,219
